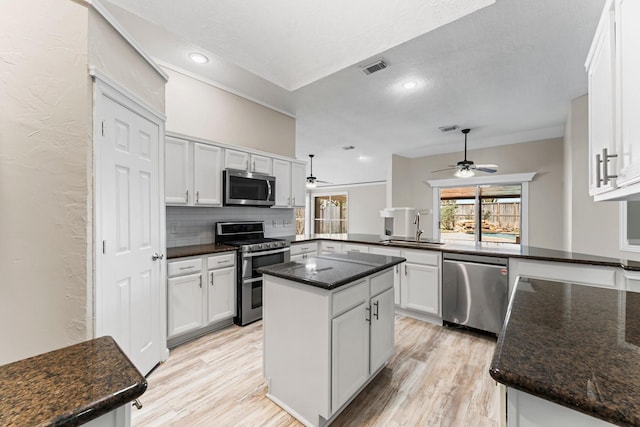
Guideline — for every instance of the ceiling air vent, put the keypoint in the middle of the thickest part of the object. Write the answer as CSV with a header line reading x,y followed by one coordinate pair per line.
x,y
449,128
374,66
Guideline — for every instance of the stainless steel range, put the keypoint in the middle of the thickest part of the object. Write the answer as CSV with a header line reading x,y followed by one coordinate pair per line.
x,y
254,251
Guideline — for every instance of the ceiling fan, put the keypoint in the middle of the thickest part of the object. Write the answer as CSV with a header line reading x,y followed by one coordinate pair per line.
x,y
312,180
465,168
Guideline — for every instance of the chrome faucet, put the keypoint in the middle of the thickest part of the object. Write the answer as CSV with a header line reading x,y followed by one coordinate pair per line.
x,y
416,221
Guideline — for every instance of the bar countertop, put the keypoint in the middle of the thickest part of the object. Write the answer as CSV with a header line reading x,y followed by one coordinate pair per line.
x,y
69,386
332,271
574,345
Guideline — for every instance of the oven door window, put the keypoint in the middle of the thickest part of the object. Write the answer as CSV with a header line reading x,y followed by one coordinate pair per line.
x,y
265,260
256,294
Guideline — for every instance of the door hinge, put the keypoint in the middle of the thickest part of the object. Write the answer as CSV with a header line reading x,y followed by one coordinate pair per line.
x,y
104,247
103,128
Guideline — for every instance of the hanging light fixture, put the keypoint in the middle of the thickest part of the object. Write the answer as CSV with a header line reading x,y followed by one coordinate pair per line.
x,y
311,180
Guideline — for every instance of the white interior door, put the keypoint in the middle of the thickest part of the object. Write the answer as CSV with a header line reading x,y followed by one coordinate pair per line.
x,y
128,226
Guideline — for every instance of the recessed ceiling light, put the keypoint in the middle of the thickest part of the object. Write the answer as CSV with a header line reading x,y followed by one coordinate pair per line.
x,y
198,58
409,84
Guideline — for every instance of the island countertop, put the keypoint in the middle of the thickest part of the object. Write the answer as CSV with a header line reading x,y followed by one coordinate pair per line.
x,y
332,271
69,386
574,345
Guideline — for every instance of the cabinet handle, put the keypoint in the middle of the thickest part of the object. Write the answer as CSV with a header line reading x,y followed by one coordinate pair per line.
x,y
397,268
246,164
368,313
197,197
288,200
200,281
598,178
405,269
186,196
212,278
223,262
294,201
187,267
605,166
254,165
355,250
375,313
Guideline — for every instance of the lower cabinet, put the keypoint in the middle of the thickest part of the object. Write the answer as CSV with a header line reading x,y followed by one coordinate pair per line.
x,y
315,375
201,295
420,283
301,251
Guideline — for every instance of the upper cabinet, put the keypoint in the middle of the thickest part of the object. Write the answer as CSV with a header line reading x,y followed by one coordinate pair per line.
x,y
290,183
193,173
613,68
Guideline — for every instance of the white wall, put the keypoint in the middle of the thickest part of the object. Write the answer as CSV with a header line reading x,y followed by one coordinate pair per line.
x,y
364,205
198,109
44,176
545,192
591,228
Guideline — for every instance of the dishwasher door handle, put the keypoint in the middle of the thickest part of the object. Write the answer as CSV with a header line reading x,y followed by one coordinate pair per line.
x,y
453,261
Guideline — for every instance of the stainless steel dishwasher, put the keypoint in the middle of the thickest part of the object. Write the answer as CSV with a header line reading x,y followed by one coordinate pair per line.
x,y
475,291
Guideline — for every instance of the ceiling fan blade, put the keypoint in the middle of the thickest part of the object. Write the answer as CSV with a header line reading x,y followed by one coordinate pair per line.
x,y
488,170
490,166
445,169
323,182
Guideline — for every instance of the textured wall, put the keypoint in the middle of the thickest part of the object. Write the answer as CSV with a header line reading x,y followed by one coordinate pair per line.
x,y
44,152
197,109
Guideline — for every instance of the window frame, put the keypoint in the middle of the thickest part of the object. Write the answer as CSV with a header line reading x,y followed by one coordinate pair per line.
x,y
312,211
521,179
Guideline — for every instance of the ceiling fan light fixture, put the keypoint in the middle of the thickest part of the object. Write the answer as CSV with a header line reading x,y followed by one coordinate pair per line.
x,y
311,183
464,173
311,180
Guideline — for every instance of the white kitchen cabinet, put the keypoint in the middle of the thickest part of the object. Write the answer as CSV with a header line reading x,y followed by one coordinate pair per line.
x,y
290,183
349,353
397,276
298,184
207,175
382,330
301,251
601,76
613,67
627,14
330,247
354,247
260,164
420,283
234,159
193,173
177,171
201,295
184,304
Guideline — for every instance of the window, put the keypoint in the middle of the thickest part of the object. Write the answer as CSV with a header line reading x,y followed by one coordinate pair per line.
x,y
330,214
300,214
483,213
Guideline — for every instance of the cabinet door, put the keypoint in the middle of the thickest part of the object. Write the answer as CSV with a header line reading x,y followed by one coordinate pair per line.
x,y
601,105
396,270
628,90
421,288
185,304
236,160
207,175
260,164
177,179
349,354
221,294
282,172
382,327
298,184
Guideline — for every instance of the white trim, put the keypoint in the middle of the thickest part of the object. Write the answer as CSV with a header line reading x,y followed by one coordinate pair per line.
x,y
622,227
129,97
355,184
481,180
99,7
226,88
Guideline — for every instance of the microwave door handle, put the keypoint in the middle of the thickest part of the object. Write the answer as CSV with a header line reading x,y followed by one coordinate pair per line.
x,y
268,190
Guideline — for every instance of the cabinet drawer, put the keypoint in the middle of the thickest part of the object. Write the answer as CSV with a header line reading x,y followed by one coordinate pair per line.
x,y
348,247
219,261
350,297
422,257
304,248
330,247
382,282
187,266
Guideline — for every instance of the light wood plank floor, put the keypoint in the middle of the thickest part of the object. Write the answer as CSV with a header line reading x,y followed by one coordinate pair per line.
x,y
438,377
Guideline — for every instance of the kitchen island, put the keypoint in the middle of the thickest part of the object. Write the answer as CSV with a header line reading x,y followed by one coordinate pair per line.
x,y
569,355
328,331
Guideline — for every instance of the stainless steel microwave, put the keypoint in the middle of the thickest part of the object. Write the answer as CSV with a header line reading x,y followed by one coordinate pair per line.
x,y
242,188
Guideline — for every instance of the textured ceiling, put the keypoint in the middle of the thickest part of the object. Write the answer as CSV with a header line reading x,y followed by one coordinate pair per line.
x,y
508,71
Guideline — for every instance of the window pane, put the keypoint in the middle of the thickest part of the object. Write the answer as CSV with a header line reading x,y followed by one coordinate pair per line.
x,y
299,221
457,213
330,214
500,207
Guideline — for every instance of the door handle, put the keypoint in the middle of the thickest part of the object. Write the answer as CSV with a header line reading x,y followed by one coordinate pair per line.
x,y
156,256
375,313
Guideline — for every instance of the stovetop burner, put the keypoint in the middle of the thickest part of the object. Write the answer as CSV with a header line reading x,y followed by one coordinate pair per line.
x,y
247,236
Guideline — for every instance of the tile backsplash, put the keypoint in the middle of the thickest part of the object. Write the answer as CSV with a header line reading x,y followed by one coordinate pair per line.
x,y
195,225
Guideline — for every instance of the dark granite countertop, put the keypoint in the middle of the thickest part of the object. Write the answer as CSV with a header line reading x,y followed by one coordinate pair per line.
x,y
332,271
69,386
185,251
574,345
484,248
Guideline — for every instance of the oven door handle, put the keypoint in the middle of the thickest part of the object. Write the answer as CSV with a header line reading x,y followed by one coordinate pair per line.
x,y
275,251
248,281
